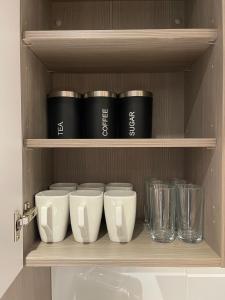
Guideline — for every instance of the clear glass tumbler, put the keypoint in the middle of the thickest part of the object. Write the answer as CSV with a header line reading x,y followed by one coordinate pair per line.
x,y
147,203
190,213
163,211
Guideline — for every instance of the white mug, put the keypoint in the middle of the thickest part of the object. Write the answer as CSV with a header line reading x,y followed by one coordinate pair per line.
x,y
92,186
86,208
53,214
120,214
66,186
119,186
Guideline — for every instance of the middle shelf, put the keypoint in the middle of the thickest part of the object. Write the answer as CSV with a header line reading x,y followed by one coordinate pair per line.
x,y
122,143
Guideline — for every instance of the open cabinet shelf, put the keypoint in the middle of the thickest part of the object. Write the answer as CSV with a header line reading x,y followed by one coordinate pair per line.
x,y
141,251
121,143
119,50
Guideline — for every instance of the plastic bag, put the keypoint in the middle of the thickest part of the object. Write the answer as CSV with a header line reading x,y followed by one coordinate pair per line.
x,y
105,284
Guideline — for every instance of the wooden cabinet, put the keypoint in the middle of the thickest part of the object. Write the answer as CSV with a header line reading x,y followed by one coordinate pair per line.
x,y
173,48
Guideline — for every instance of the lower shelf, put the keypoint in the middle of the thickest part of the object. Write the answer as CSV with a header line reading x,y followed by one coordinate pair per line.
x,y
140,252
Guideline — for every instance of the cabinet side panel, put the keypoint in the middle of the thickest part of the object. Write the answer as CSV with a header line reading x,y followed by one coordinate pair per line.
x,y
32,283
204,118
36,83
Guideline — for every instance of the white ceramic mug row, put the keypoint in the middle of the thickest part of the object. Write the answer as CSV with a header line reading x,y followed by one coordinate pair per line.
x,y
85,208
92,186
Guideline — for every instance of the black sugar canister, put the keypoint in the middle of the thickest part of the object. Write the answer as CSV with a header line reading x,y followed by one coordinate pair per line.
x,y
99,115
64,115
135,114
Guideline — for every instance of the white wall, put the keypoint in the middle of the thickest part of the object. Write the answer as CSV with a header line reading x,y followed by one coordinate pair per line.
x,y
138,284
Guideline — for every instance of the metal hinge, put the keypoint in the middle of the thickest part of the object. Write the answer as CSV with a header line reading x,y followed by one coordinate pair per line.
x,y
23,220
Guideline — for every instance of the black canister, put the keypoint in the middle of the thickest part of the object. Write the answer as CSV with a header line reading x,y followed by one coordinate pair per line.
x,y
99,115
63,115
135,114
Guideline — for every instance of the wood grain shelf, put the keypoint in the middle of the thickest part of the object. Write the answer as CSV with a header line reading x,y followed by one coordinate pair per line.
x,y
142,50
121,143
141,251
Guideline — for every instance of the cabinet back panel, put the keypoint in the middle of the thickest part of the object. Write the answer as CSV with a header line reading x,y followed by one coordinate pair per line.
x,y
117,14
202,13
35,14
117,165
168,90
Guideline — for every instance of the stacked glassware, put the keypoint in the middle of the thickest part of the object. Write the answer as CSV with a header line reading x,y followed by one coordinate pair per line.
x,y
174,208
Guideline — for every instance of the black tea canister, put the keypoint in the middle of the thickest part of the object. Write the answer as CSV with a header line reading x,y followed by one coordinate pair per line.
x,y
135,114
99,115
63,115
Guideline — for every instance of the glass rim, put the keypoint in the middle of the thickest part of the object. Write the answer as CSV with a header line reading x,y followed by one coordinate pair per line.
x,y
177,181
163,186
191,186
158,182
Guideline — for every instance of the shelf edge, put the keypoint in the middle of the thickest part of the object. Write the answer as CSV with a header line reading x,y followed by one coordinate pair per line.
x,y
121,143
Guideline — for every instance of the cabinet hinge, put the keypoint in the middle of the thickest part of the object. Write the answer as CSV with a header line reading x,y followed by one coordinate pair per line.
x,y
21,220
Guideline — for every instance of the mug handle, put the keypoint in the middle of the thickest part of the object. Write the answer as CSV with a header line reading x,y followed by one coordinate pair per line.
x,y
81,215
45,217
119,216
81,222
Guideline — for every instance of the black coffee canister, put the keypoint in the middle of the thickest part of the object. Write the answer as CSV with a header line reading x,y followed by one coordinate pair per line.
x,y
135,114
99,115
63,115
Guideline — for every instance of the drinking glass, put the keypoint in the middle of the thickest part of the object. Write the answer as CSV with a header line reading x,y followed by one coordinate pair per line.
x,y
147,203
163,206
177,182
190,213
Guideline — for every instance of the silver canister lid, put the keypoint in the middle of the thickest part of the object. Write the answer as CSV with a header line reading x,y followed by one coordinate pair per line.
x,y
67,94
136,93
96,94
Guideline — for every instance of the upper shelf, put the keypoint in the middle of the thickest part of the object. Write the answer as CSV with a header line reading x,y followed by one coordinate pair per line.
x,y
121,143
144,50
